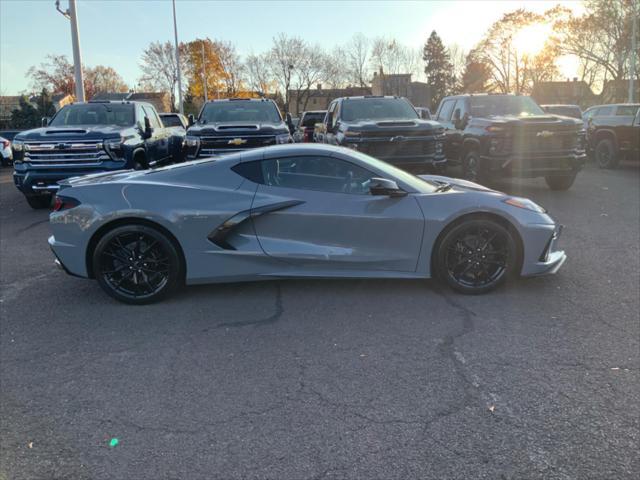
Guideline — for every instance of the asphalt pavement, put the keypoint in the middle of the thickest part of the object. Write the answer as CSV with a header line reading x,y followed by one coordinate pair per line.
x,y
331,379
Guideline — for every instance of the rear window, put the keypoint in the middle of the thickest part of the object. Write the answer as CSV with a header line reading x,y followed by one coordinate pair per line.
x,y
311,118
627,110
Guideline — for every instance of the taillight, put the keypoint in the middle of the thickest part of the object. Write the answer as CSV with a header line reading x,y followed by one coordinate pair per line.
x,y
64,203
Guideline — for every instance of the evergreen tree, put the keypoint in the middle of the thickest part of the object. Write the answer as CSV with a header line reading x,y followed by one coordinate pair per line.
x,y
438,69
26,116
476,76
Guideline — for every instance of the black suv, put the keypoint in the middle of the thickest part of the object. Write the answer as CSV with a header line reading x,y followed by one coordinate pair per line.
x,y
387,128
613,132
234,124
84,138
511,136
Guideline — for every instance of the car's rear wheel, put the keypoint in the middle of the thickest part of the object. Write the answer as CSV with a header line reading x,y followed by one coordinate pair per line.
x,y
560,182
39,201
606,154
476,256
137,264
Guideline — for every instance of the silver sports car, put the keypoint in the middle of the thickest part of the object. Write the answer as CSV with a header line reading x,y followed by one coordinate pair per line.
x,y
299,210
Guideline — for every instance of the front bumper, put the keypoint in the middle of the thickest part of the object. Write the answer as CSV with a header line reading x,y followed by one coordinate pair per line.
x,y
39,180
531,166
541,253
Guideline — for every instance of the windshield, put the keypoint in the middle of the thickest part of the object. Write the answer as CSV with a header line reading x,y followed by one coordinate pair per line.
x,y
377,109
311,118
94,114
240,111
490,105
564,111
171,121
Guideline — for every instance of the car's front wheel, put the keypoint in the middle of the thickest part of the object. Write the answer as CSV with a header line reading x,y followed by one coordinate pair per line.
x,y
39,201
475,256
137,264
472,168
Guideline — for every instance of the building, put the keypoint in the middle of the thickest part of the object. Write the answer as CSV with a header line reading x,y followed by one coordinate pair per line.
x,y
320,98
400,84
7,105
574,92
160,100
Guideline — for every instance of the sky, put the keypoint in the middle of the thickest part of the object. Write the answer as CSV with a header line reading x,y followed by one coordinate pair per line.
x,y
115,32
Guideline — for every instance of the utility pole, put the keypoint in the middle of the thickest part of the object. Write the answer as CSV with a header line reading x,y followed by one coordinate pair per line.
x,y
72,15
175,31
633,53
204,74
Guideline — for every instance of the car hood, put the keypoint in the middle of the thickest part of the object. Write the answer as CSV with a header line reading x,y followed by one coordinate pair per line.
x,y
79,132
457,183
238,128
393,125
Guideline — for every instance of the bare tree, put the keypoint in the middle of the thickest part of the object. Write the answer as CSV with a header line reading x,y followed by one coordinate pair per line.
x,y
458,59
103,79
259,75
357,55
285,56
338,73
386,55
159,68
231,65
311,70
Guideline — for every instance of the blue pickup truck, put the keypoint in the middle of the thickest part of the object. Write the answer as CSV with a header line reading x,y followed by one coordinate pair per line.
x,y
93,137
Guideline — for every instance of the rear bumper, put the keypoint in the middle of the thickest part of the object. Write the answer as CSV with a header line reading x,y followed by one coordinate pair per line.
x,y
525,166
67,258
38,181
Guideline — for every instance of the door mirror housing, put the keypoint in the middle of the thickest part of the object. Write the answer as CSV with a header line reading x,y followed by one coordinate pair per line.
x,y
191,120
148,130
461,123
386,187
45,121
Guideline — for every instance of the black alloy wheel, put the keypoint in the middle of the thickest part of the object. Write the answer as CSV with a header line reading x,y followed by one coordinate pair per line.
x,y
476,256
472,168
606,154
137,264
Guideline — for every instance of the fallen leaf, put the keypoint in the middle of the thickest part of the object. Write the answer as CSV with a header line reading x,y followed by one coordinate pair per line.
x,y
615,368
492,408
604,214
30,444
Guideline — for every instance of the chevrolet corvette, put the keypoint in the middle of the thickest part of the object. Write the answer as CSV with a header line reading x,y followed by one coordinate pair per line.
x,y
293,211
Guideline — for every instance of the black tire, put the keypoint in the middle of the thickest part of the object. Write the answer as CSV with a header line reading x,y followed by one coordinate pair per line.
x,y
476,256
38,202
140,162
563,182
137,264
472,169
606,154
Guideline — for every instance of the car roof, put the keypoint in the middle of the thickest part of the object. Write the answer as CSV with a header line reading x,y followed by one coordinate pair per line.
x,y
221,100
560,105
314,111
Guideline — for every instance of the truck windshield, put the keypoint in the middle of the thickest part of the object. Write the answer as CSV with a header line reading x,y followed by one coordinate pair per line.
x,y
240,111
354,109
94,114
490,105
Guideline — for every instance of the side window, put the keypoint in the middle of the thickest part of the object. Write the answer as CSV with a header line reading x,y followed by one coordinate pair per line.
x,y
461,104
140,116
604,111
627,110
444,115
589,113
336,115
153,117
324,174
331,109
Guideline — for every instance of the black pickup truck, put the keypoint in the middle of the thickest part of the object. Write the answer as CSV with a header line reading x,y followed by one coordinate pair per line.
x,y
500,135
231,125
86,138
613,132
387,128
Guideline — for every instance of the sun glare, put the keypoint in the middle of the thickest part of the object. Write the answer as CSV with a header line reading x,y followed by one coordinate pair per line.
x,y
531,39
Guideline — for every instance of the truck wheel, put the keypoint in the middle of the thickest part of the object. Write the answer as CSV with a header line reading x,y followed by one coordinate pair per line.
x,y
472,169
140,162
606,154
39,201
563,182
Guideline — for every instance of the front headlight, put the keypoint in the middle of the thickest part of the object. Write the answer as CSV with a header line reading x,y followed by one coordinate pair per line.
x,y
284,138
114,148
525,203
351,134
191,141
17,145
438,147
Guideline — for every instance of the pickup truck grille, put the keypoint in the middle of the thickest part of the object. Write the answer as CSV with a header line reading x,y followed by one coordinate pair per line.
x,y
65,153
230,144
542,142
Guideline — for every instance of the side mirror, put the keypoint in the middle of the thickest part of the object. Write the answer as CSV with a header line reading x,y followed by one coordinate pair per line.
x,y
147,128
384,186
45,121
192,120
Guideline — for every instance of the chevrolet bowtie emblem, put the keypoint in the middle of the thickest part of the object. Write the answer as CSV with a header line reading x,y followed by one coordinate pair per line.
x,y
63,146
237,141
398,138
544,134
